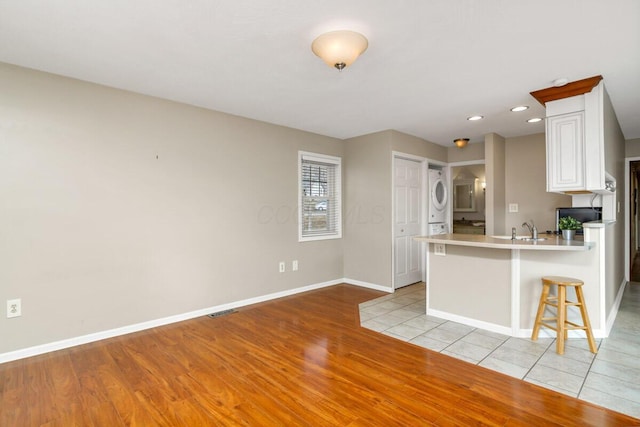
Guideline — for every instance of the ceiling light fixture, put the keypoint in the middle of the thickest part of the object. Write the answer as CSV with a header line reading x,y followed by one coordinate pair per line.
x,y
560,82
461,142
534,120
339,48
474,118
520,108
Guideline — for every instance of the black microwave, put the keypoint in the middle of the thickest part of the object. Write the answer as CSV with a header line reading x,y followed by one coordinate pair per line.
x,y
581,214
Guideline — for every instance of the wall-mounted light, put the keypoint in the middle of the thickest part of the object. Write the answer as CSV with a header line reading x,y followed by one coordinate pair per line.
x,y
339,48
461,142
484,185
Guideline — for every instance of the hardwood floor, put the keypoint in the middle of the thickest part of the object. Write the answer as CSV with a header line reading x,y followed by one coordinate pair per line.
x,y
300,360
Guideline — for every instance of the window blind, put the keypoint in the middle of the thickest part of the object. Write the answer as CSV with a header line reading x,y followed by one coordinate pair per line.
x,y
320,203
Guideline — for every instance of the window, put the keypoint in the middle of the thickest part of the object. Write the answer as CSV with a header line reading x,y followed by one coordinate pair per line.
x,y
320,199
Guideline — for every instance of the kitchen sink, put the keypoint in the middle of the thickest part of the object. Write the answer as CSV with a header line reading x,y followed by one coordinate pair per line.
x,y
523,238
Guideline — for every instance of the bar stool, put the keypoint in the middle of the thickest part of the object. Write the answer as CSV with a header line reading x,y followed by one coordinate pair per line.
x,y
560,303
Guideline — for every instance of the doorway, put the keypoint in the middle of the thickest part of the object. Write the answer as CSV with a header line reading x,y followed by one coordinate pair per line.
x,y
469,197
408,181
634,217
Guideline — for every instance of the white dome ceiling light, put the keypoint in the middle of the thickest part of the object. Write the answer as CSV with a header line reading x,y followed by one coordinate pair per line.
x,y
339,49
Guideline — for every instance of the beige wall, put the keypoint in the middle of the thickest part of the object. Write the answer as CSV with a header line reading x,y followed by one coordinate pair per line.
x,y
516,173
120,208
368,233
632,147
494,147
456,290
469,153
407,144
614,163
526,184
367,236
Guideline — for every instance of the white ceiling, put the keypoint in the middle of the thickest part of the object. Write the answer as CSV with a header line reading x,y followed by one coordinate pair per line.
x,y
430,64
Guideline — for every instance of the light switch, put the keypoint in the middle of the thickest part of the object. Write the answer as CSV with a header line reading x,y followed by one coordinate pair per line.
x,y
513,207
439,249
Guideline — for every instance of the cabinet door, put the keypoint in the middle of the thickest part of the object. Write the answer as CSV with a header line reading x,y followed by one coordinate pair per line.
x,y
565,152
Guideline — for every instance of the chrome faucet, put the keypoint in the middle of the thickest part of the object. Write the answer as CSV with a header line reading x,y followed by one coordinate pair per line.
x,y
532,229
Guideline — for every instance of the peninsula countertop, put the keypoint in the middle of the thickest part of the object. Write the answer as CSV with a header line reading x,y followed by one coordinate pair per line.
x,y
551,242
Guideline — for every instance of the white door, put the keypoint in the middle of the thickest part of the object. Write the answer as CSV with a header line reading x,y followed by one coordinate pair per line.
x,y
407,220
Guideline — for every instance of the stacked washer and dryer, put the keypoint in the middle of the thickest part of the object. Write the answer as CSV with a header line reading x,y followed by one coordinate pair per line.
x,y
438,198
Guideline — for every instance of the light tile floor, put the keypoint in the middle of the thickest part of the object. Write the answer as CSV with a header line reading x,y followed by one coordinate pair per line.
x,y
610,378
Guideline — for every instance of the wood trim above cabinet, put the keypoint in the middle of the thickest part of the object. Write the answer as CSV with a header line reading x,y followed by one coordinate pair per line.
x,y
579,87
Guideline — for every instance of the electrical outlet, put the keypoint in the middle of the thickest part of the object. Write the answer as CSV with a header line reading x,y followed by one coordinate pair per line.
x,y
281,267
294,265
14,308
439,249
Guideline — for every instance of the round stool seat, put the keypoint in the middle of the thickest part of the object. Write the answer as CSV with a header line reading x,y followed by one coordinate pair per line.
x,y
561,280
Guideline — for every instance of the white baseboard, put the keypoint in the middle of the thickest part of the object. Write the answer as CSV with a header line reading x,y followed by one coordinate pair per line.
x,y
506,330
611,318
520,333
85,339
373,286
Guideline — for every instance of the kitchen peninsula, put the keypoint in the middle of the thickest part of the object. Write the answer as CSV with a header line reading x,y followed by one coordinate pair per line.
x,y
493,283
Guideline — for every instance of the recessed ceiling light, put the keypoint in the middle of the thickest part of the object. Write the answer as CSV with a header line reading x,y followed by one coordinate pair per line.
x,y
560,82
520,108
534,120
473,118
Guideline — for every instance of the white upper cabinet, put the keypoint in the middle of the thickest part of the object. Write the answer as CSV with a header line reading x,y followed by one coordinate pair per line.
x,y
565,152
575,136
